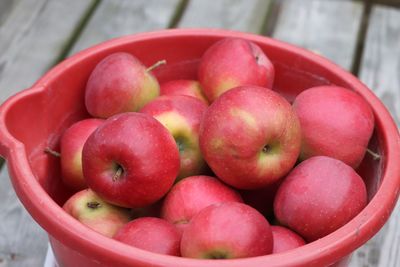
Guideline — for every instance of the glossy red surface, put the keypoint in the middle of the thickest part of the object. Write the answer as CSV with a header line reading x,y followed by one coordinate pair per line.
x,y
35,119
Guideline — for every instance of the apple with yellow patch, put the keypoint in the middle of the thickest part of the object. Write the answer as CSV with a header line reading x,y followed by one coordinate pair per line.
x,y
88,208
181,115
119,83
71,146
183,87
250,137
233,62
131,160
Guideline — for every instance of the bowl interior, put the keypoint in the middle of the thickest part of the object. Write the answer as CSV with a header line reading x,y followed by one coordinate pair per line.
x,y
39,119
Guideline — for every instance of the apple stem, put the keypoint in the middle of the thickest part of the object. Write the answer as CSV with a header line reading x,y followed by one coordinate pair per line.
x,y
117,174
93,205
266,149
52,152
374,155
156,65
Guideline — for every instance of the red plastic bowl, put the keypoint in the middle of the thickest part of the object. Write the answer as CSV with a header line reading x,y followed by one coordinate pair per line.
x,y
35,118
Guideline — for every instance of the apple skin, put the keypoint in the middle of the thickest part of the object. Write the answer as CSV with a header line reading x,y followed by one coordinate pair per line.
x,y
92,211
335,122
119,83
225,231
189,196
318,196
285,239
152,234
181,115
71,145
131,160
233,62
250,137
184,87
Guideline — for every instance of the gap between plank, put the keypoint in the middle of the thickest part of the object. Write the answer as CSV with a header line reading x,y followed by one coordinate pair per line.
x,y
77,31
393,3
271,18
362,34
178,14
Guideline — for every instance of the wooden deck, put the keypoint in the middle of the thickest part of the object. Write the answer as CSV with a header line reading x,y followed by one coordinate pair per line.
x,y
361,36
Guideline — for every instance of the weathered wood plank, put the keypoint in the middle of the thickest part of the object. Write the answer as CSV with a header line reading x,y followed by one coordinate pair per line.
x,y
380,68
5,7
315,25
327,27
241,15
114,18
32,37
383,250
380,71
22,242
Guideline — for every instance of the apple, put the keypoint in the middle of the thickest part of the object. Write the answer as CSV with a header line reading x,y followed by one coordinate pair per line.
x,y
89,209
285,239
225,231
71,146
335,122
152,234
119,83
181,115
189,196
250,137
319,195
131,160
183,87
233,62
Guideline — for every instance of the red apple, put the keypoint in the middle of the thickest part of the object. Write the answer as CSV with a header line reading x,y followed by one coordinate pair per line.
x,y
335,122
319,196
227,230
131,160
250,137
233,62
181,115
285,239
71,146
189,196
88,208
152,234
183,87
119,83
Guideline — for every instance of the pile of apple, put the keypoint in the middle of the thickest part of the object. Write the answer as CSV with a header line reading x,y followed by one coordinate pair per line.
x,y
202,168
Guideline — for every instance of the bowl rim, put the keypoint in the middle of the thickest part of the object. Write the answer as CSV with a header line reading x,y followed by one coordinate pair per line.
x,y
71,233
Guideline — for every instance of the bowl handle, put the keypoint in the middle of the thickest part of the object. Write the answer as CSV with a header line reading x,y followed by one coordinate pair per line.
x,y
7,141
